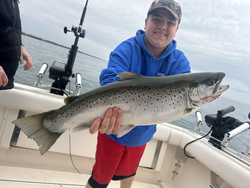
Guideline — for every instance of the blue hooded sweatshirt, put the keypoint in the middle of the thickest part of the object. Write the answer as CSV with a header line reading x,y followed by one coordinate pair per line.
x,y
133,56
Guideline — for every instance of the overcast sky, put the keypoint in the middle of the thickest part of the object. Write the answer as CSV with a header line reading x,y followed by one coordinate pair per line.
x,y
213,34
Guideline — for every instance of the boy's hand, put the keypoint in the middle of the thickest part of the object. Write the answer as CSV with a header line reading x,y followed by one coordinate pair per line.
x,y
111,123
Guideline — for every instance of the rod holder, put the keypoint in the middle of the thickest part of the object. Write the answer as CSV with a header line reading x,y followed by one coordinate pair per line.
x,y
198,120
78,84
231,134
40,74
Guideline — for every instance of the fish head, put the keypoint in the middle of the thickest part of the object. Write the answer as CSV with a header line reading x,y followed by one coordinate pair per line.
x,y
206,88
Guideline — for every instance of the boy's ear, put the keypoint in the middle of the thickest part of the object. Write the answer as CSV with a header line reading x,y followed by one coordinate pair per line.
x,y
176,31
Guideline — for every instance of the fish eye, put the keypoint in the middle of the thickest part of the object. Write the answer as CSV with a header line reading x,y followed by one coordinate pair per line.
x,y
212,82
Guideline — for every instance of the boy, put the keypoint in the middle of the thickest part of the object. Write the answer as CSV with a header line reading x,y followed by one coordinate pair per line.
x,y
150,53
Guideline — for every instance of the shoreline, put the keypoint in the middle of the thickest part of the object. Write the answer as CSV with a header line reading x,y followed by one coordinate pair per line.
x,y
51,42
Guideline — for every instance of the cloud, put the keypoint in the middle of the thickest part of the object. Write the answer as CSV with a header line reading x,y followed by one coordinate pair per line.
x,y
216,27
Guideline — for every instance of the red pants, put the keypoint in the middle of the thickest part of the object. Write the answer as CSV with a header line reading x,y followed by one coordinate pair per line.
x,y
114,161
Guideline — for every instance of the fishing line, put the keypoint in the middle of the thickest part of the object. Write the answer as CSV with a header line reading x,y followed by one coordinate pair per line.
x,y
70,153
193,142
62,89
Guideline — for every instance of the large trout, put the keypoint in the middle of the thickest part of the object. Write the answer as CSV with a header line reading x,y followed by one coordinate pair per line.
x,y
143,101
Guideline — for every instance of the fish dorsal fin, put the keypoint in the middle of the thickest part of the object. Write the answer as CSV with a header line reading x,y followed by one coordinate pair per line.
x,y
70,99
128,75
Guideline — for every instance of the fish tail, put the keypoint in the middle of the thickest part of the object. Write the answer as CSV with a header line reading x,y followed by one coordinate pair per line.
x,y
33,127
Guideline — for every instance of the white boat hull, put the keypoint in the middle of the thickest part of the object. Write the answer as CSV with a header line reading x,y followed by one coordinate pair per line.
x,y
164,163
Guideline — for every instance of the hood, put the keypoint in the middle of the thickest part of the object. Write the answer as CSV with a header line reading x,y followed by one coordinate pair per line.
x,y
140,38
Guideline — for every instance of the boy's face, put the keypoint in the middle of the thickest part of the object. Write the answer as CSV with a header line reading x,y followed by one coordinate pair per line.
x,y
161,27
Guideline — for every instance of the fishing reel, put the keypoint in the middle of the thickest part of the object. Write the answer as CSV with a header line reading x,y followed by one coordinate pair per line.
x,y
76,30
224,127
58,73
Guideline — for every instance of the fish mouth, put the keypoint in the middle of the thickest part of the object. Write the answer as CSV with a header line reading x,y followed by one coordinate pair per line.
x,y
212,92
219,89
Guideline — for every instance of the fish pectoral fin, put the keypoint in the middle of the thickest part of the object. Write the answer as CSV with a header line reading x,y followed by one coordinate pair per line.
x,y
127,76
68,100
124,130
33,127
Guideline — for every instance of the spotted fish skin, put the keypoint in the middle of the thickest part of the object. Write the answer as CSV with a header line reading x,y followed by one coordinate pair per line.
x,y
143,101
140,106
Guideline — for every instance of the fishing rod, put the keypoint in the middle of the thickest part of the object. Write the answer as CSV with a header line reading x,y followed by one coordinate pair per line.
x,y
79,32
61,72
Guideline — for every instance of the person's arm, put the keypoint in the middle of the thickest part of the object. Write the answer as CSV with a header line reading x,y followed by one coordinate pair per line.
x,y
3,77
25,57
119,62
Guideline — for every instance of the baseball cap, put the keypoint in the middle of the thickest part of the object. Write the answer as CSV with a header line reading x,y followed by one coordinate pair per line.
x,y
170,5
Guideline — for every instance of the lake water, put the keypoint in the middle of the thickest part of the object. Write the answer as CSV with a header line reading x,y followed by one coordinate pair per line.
x,y
90,69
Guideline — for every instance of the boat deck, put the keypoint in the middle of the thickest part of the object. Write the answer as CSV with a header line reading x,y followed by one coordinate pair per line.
x,y
14,177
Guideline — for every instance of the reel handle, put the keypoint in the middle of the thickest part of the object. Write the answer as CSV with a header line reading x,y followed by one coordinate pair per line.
x,y
65,30
226,110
